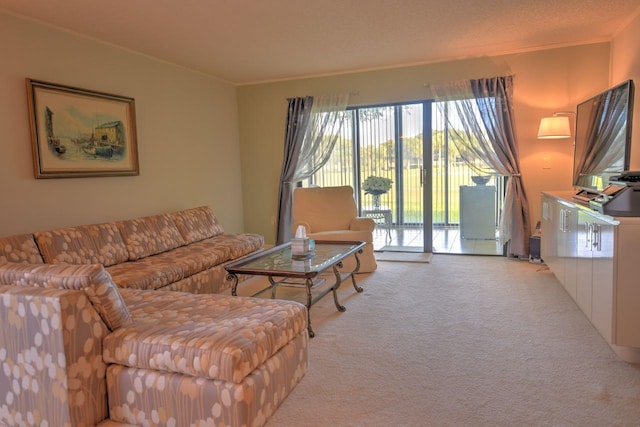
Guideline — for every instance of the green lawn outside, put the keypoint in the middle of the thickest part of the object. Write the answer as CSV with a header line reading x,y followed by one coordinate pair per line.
x,y
412,196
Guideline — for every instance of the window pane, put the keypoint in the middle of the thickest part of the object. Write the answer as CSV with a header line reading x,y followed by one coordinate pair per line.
x,y
412,142
377,150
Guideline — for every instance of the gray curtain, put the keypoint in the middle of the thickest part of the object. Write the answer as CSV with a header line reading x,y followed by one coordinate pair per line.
x,y
494,98
316,134
298,117
487,129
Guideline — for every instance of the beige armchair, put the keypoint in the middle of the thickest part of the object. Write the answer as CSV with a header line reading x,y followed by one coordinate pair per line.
x,y
330,213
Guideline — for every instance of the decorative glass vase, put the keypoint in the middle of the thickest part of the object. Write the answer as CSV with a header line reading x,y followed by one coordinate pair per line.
x,y
376,201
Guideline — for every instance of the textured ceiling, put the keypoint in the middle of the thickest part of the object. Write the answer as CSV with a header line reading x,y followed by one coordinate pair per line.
x,y
248,41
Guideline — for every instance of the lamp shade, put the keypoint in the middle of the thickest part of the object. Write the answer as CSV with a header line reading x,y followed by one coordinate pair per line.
x,y
554,127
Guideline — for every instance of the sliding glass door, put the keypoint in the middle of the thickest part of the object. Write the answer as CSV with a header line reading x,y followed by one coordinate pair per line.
x,y
414,176
420,211
387,142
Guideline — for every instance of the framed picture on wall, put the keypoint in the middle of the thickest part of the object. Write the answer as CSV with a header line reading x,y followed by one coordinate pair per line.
x,y
81,133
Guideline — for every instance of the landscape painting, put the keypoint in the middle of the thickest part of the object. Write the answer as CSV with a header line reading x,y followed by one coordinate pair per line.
x,y
81,133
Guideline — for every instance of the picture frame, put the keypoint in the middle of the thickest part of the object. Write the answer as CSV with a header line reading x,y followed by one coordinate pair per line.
x,y
77,133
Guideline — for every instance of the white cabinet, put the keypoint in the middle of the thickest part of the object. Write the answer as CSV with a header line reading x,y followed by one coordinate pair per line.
x,y
559,242
596,258
594,294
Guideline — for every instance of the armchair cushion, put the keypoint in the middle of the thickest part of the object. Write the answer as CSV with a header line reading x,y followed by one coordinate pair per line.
x,y
343,235
362,224
330,213
324,208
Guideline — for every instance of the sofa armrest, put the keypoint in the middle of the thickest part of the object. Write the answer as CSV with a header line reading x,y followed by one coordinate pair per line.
x,y
53,337
362,224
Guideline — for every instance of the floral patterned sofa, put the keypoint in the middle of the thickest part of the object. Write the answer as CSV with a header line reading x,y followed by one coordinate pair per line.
x,y
86,338
179,251
76,350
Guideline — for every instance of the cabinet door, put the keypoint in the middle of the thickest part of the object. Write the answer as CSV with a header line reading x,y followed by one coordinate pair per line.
x,y
584,264
561,250
603,277
569,243
627,288
550,229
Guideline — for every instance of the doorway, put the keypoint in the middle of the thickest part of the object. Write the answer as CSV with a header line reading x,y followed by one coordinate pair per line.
x,y
466,204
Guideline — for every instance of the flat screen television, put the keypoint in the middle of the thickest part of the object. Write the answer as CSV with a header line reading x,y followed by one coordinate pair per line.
x,y
602,138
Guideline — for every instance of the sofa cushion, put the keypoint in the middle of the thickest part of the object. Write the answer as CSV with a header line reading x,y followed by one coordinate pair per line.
x,y
85,244
19,248
193,258
153,272
148,397
158,271
149,235
237,245
197,224
211,336
216,250
93,279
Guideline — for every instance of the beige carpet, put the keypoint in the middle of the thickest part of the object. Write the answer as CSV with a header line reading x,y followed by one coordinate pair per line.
x,y
462,341
403,256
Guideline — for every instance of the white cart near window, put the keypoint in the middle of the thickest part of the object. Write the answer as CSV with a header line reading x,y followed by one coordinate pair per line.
x,y
382,216
478,212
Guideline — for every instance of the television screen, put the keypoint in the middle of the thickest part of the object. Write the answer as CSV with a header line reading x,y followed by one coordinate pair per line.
x,y
603,137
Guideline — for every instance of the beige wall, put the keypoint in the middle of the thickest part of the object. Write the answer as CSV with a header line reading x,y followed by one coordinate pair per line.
x,y
625,64
193,142
187,134
545,81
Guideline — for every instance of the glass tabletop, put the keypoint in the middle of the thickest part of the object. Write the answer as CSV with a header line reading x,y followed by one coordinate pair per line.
x,y
278,261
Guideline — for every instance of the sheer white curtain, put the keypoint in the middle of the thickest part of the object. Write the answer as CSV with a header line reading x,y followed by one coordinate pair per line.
x,y
327,118
464,121
308,154
487,142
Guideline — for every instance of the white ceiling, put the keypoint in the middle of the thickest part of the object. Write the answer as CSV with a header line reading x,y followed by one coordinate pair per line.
x,y
248,41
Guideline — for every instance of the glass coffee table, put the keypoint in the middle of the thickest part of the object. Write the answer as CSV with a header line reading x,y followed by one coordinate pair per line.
x,y
283,270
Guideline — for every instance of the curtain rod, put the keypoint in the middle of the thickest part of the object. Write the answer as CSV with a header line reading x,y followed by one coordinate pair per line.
x,y
351,93
459,80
